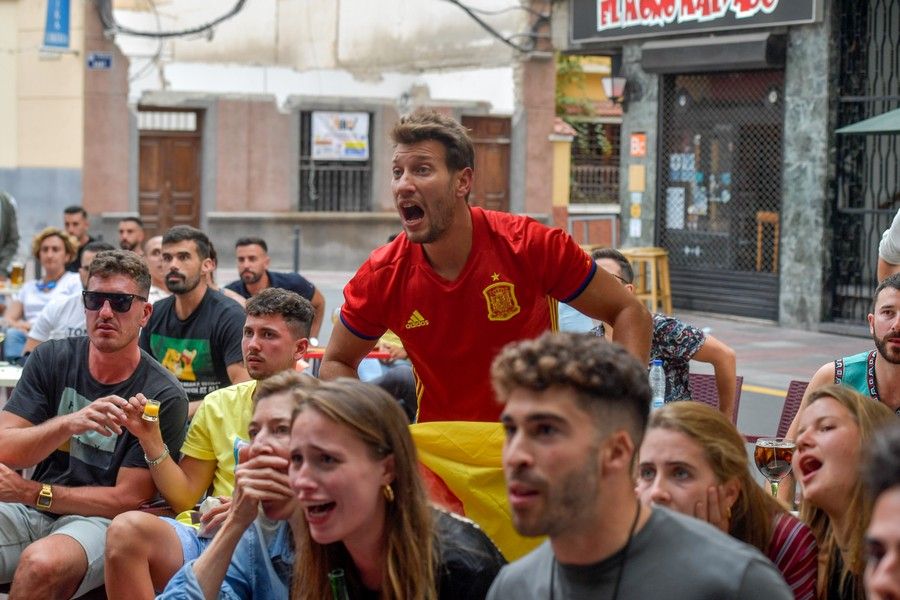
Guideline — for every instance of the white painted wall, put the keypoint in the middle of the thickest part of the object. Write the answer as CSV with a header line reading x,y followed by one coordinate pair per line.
x,y
8,82
358,35
348,48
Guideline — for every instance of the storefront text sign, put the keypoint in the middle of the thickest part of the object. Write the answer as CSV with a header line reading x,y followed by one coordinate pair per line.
x,y
600,20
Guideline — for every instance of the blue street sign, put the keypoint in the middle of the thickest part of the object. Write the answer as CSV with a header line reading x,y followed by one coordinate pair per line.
x,y
56,30
99,61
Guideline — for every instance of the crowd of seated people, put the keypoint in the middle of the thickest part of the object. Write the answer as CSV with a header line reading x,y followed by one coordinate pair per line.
x,y
313,487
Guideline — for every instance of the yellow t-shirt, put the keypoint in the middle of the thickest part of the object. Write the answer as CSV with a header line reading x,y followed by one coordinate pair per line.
x,y
223,418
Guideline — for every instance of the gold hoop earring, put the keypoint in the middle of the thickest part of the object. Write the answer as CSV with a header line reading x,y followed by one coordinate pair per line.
x,y
388,493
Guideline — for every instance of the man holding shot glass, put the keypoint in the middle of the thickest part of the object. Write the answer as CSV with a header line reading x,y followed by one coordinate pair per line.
x,y
66,419
144,551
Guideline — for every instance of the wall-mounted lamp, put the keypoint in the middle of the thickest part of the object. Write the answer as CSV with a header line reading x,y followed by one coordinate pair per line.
x,y
614,88
617,88
621,91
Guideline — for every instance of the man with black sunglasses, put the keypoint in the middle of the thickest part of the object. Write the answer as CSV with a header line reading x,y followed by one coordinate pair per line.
x,y
66,419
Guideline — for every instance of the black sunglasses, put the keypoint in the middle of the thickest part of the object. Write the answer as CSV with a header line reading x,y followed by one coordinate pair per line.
x,y
118,302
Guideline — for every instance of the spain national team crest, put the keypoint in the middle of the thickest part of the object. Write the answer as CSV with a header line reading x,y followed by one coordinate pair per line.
x,y
501,301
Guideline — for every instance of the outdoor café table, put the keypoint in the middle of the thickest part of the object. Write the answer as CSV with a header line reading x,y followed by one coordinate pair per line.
x,y
9,377
314,356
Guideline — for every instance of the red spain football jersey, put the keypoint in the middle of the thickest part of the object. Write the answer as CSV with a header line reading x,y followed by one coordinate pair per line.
x,y
452,330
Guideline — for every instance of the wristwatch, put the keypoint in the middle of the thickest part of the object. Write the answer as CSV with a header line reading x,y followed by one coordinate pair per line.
x,y
45,497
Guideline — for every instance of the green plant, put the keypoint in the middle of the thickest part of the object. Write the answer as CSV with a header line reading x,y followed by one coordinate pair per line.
x,y
569,74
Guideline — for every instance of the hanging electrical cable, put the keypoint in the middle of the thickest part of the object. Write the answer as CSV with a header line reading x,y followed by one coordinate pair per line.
x,y
111,27
531,37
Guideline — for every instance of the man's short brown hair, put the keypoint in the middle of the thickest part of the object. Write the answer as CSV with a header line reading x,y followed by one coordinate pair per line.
x,y
121,262
609,383
296,310
186,233
426,125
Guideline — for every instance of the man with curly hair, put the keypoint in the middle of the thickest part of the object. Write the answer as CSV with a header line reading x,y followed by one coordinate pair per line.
x,y
575,409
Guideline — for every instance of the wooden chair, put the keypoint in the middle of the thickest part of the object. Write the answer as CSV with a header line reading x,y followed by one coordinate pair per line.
x,y
703,389
792,400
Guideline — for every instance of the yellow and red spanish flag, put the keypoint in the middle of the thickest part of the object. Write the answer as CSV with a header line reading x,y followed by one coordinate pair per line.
x,y
463,471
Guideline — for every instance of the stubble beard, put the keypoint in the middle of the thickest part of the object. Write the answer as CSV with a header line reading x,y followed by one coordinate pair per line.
x,y
249,277
184,286
881,345
566,503
441,221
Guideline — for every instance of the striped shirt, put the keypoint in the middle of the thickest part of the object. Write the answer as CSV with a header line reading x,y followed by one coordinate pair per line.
x,y
794,551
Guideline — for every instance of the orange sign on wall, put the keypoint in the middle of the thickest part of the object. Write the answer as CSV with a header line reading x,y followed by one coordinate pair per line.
x,y
638,145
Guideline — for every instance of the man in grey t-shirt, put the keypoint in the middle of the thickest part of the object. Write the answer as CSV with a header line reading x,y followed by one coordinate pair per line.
x,y
575,412
66,418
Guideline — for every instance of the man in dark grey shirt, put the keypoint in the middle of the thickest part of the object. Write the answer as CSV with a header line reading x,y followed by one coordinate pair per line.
x,y
575,412
66,418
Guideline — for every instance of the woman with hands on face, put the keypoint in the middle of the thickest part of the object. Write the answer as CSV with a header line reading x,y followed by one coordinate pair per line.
x,y
252,554
693,461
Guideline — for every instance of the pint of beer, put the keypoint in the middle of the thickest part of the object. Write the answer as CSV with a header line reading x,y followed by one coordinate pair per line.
x,y
17,274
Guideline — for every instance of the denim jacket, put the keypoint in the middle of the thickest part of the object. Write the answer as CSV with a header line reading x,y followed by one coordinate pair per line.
x,y
258,572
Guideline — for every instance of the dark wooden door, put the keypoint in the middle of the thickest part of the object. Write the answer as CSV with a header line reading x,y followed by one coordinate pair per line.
x,y
169,188
490,136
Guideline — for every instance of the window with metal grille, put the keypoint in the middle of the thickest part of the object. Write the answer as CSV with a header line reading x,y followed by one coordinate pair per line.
x,y
719,196
337,178
867,180
595,163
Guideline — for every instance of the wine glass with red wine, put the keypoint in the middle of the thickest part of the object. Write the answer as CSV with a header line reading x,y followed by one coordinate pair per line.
x,y
773,459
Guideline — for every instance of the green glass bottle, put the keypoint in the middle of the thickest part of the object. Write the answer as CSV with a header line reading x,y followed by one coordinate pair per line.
x,y
338,585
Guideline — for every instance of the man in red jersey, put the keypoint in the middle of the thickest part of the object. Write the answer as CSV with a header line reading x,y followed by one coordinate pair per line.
x,y
464,282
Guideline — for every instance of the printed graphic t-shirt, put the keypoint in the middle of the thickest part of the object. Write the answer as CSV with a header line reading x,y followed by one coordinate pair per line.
x,y
62,318
56,381
452,330
198,349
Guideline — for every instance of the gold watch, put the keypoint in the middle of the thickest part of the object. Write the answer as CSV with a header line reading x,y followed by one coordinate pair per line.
x,y
45,497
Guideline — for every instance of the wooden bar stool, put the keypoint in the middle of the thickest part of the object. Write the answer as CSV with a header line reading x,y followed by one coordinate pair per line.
x,y
766,217
651,284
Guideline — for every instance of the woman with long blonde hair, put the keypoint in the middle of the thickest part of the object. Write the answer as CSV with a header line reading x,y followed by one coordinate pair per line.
x,y
835,425
693,461
354,472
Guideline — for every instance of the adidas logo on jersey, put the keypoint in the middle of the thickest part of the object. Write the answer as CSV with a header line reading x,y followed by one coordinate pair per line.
x,y
416,320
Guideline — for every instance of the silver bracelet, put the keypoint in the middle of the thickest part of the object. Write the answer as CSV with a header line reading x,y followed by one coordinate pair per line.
x,y
162,457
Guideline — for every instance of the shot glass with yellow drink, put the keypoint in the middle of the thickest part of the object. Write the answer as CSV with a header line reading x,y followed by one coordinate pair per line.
x,y
151,410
